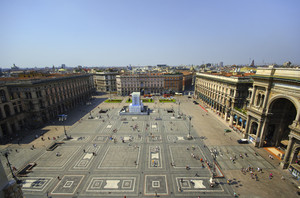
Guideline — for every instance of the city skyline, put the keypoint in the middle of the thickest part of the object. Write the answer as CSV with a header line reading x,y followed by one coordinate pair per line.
x,y
119,33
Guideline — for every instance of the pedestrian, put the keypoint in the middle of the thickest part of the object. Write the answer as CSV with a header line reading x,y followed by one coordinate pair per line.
x,y
270,176
58,177
84,150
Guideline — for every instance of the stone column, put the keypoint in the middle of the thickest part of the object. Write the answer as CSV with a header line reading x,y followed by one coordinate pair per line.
x,y
253,95
285,162
226,114
1,132
262,132
247,127
9,128
231,120
17,125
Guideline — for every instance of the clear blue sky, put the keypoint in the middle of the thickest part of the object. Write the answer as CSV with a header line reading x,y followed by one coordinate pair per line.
x,y
40,33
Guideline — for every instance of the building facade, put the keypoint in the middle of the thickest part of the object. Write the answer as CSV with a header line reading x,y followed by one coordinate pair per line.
x,y
187,80
264,109
273,113
105,81
226,94
145,83
30,102
173,82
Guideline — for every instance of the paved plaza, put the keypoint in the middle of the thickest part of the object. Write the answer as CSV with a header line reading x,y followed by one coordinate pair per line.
x,y
135,156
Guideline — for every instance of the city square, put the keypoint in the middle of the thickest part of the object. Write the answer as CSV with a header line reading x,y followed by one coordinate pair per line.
x,y
137,155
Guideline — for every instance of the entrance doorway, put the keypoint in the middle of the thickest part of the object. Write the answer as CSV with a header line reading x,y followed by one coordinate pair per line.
x,y
282,113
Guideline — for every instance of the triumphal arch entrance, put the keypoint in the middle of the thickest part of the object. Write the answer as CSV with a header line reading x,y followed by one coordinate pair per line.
x,y
273,113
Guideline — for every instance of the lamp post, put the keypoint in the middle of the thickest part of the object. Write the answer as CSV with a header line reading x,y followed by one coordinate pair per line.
x,y
214,155
9,164
62,118
178,116
189,135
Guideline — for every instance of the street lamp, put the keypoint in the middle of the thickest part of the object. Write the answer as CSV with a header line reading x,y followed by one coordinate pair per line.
x,y
12,172
214,155
62,119
178,116
189,135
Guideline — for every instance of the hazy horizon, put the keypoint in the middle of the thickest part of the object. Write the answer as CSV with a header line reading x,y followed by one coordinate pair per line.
x,y
118,33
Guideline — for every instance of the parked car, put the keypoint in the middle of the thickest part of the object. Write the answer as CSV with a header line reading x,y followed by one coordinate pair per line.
x,y
195,102
189,97
243,141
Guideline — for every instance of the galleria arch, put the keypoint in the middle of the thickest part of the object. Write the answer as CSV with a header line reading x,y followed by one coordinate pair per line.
x,y
273,113
281,113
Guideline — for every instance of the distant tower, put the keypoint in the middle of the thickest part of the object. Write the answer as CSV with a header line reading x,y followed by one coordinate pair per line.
x,y
221,64
63,66
252,63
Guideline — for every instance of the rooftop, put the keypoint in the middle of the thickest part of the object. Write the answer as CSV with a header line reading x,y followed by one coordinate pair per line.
x,y
37,77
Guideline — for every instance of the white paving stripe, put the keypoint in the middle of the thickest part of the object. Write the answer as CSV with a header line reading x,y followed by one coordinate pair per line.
x,y
112,184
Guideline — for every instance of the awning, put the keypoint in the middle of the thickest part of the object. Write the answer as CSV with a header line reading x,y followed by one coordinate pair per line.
x,y
284,142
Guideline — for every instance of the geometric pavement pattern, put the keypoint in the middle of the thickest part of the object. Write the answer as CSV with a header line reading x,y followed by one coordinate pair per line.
x,y
134,156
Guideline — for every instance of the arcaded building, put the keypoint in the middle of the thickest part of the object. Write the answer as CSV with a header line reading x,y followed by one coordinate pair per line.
x,y
173,82
145,83
226,94
105,81
265,108
29,102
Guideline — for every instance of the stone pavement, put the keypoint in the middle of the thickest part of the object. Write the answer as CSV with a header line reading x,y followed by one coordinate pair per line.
x,y
211,126
139,156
